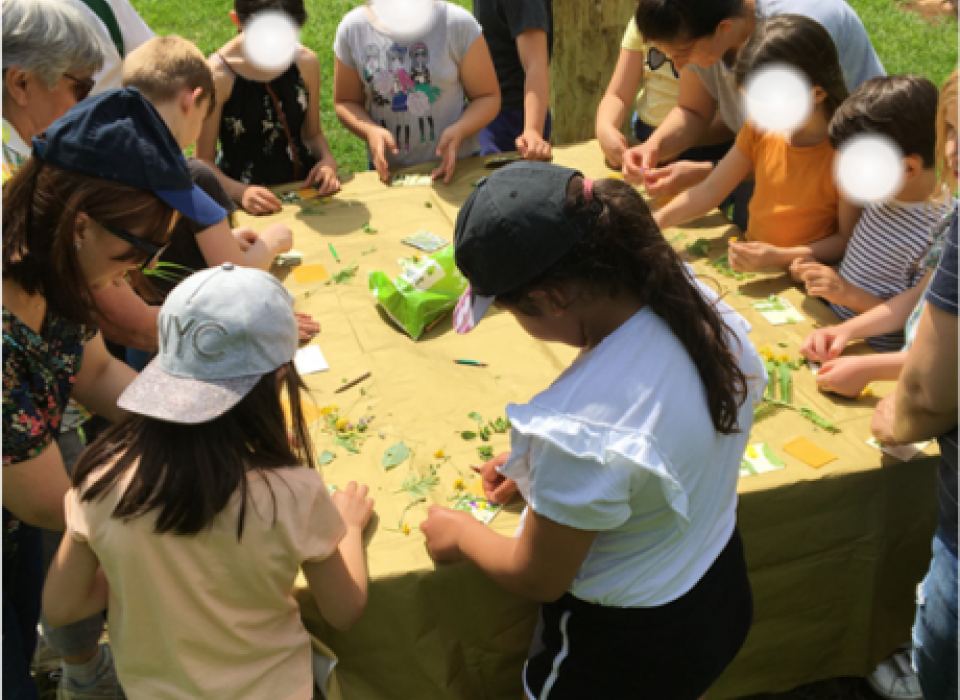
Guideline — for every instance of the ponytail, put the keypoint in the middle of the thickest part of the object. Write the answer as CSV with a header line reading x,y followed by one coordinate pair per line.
x,y
626,251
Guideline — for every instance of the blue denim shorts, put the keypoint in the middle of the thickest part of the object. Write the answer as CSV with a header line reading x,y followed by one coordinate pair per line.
x,y
935,627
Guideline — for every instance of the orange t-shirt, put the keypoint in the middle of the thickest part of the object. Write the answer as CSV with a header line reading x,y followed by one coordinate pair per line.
x,y
795,201
206,616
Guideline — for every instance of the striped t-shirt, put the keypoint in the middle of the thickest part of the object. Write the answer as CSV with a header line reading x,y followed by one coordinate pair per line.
x,y
885,253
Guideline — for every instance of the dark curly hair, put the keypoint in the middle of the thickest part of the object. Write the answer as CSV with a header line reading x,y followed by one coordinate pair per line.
x,y
626,251
246,9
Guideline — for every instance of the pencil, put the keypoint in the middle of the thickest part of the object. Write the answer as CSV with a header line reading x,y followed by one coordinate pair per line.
x,y
334,251
474,363
349,384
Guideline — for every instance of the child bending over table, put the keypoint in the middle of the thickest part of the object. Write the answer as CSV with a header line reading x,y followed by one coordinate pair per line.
x,y
629,461
849,376
795,209
268,124
415,101
891,238
193,516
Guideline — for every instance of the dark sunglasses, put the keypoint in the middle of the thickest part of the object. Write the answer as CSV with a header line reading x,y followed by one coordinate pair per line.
x,y
656,58
152,251
81,88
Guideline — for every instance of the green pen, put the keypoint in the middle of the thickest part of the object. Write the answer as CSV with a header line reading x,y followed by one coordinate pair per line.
x,y
473,363
333,250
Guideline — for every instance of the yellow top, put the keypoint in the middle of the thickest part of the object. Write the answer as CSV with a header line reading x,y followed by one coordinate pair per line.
x,y
659,89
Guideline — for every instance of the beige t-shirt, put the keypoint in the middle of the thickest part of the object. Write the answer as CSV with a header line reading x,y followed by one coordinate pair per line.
x,y
660,87
207,616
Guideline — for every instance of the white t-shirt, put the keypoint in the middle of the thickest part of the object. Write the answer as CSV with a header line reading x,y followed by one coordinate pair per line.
x,y
857,58
622,443
413,90
134,31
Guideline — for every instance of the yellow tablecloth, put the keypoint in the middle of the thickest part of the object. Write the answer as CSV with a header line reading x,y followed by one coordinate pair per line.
x,y
834,554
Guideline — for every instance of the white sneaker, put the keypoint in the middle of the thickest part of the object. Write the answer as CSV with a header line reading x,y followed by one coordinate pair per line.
x,y
895,678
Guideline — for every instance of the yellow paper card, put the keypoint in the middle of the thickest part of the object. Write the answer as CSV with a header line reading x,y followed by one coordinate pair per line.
x,y
808,453
305,274
308,193
476,489
311,414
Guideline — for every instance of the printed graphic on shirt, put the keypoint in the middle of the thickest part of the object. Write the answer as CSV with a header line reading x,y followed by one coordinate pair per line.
x,y
401,92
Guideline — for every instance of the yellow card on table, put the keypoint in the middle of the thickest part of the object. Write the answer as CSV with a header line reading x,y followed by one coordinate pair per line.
x,y
476,489
305,274
808,453
308,193
311,414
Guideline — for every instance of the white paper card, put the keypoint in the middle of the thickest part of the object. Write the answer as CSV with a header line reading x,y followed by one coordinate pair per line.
x,y
310,360
902,452
778,310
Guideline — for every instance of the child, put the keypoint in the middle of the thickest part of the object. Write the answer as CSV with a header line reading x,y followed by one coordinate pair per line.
x,y
520,36
201,513
268,124
849,376
888,241
407,100
795,207
629,461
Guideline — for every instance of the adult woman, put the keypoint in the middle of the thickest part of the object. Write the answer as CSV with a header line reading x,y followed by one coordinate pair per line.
x,y
67,233
49,57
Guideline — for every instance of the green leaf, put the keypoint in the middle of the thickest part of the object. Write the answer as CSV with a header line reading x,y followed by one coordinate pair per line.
x,y
699,247
475,416
418,487
784,345
772,457
394,455
345,275
467,434
347,443
326,457
485,451
366,228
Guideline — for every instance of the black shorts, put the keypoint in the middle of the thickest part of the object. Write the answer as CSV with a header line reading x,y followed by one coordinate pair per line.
x,y
671,652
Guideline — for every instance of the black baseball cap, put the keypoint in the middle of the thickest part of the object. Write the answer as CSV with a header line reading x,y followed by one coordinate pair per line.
x,y
512,227
118,135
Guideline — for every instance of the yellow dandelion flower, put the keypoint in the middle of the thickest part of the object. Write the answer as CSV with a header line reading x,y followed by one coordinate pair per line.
x,y
783,358
459,485
615,176
481,505
733,239
406,529
439,454
342,423
867,391
751,452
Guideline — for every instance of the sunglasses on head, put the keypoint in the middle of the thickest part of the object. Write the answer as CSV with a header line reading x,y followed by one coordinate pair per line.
x,y
656,58
152,251
81,88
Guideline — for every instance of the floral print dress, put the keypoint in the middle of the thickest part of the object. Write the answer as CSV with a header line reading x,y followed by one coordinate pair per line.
x,y
261,130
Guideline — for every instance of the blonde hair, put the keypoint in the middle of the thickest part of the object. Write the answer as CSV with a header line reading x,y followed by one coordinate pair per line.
x,y
947,106
164,66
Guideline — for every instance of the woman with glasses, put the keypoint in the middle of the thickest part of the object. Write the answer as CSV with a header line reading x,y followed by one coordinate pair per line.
x,y
49,57
647,80
68,232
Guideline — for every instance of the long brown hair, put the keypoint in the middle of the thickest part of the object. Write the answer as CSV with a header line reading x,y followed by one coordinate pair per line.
x,y
799,42
626,251
190,472
948,105
41,203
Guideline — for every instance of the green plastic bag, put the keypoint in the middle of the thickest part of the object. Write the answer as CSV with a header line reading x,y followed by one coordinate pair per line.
x,y
425,291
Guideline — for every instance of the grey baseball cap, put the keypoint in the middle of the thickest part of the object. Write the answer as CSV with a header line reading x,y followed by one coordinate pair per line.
x,y
221,330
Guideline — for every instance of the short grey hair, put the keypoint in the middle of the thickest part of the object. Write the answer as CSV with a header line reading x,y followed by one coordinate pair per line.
x,y
48,38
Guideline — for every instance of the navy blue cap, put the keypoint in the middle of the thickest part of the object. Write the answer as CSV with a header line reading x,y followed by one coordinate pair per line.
x,y
512,227
119,136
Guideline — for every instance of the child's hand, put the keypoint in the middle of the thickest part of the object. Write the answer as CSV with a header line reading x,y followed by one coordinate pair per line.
x,y
796,267
672,179
447,149
638,160
822,281
380,141
278,238
497,487
245,237
306,326
825,344
753,256
532,146
442,529
613,144
884,417
324,178
845,376
258,200
354,506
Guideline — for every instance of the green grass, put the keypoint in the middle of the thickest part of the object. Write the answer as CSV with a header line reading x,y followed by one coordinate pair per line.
x,y
906,43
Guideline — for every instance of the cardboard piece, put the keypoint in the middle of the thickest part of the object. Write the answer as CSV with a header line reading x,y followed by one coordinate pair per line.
x,y
777,310
307,274
479,507
902,452
808,453
309,360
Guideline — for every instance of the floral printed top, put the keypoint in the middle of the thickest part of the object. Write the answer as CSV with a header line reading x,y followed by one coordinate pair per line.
x,y
15,151
38,376
261,128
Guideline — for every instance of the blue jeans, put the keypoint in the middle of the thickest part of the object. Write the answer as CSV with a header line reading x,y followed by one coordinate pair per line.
x,y
935,628
22,590
500,135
